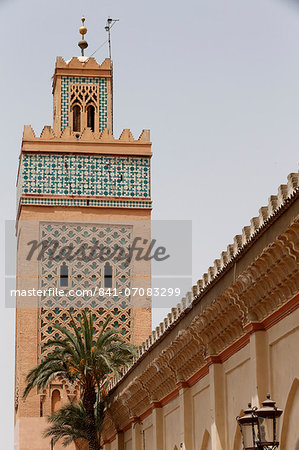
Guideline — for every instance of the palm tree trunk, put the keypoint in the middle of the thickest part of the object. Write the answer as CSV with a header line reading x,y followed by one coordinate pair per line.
x,y
89,399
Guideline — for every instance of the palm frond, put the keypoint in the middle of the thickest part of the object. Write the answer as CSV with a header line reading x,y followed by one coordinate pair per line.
x,y
89,361
70,423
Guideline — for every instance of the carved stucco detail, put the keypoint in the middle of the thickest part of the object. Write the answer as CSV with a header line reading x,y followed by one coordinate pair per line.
x,y
118,412
187,353
159,379
109,428
220,324
273,276
265,285
137,397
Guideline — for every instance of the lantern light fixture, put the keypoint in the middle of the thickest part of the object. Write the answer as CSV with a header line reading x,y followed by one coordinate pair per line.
x,y
260,426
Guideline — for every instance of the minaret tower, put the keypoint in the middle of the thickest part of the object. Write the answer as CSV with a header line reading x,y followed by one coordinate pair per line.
x,y
79,189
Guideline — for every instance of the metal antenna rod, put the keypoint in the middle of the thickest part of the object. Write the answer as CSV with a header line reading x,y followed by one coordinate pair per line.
x,y
109,25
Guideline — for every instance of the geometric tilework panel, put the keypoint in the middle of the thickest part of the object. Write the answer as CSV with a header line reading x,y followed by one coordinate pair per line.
x,y
85,276
105,176
101,82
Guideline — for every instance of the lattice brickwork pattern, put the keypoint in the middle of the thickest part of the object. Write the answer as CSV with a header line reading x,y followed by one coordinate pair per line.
x,y
102,98
106,176
84,94
83,275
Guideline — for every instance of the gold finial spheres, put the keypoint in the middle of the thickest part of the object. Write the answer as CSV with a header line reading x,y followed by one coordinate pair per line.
x,y
83,30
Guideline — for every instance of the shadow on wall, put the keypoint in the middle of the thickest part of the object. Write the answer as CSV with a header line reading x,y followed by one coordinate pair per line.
x,y
81,445
289,431
238,436
206,441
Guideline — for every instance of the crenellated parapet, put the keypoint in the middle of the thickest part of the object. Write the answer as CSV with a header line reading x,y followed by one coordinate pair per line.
x,y
211,326
103,142
79,162
82,64
116,171
83,188
82,82
255,293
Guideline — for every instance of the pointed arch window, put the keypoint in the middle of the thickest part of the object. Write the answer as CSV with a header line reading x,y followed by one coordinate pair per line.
x,y
90,117
64,275
108,275
76,118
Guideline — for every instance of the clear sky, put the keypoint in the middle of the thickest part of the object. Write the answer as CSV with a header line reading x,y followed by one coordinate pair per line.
x,y
216,81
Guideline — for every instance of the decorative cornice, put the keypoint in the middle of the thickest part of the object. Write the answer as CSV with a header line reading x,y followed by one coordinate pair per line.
x,y
278,315
287,195
264,292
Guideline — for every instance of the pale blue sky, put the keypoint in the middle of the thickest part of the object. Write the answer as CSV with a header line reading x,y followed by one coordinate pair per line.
x,y
216,81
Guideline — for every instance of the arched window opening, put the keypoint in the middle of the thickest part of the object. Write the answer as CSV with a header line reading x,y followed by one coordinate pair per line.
x,y
64,275
76,118
56,400
90,117
108,275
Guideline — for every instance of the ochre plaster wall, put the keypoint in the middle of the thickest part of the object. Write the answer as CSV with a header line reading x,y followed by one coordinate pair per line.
x,y
27,319
235,377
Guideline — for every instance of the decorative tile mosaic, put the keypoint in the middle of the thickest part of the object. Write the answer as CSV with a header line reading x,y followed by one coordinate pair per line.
x,y
84,275
102,176
84,202
101,82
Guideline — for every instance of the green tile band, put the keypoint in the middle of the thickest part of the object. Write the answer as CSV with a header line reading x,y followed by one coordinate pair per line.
x,y
85,202
101,176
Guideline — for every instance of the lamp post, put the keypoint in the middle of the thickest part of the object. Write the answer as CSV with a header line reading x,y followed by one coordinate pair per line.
x,y
259,426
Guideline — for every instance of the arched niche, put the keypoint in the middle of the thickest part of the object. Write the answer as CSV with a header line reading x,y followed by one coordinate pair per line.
x,y
91,112
108,275
76,115
55,400
64,275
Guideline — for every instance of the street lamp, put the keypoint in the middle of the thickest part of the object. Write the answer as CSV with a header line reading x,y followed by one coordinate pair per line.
x,y
249,428
268,424
259,426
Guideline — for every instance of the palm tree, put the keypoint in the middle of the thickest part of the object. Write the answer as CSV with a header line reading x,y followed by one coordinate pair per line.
x,y
87,360
70,423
